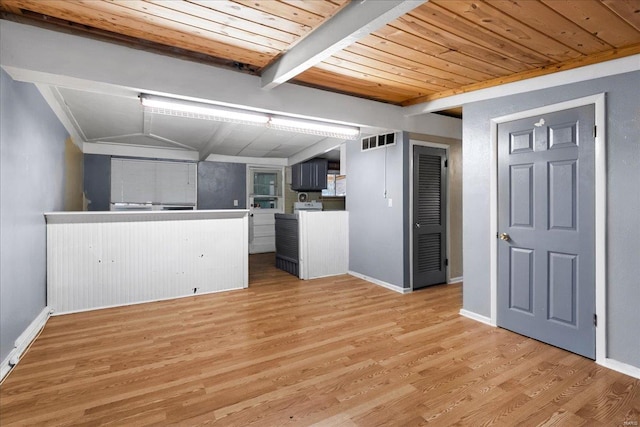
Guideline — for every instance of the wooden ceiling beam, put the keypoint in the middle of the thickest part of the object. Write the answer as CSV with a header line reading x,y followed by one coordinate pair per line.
x,y
354,21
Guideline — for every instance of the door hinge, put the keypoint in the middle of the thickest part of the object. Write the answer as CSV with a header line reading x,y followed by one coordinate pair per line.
x,y
595,131
446,262
446,163
595,320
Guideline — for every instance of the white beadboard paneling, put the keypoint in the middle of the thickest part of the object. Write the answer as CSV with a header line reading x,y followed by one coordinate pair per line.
x,y
101,264
324,243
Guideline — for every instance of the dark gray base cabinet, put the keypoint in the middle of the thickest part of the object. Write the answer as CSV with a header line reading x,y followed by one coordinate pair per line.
x,y
287,242
310,176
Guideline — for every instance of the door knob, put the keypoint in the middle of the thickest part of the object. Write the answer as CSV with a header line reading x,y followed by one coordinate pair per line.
x,y
505,237
417,225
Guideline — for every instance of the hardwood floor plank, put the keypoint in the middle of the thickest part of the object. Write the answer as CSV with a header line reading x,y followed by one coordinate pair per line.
x,y
332,351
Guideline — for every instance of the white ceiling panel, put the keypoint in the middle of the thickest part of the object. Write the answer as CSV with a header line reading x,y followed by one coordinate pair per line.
x,y
303,140
121,119
143,140
248,152
227,150
262,145
279,137
191,132
283,151
101,116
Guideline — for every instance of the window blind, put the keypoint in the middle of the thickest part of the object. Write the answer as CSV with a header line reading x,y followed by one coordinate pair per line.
x,y
153,181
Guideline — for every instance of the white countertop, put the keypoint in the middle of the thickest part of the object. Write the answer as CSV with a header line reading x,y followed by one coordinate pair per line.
x,y
141,216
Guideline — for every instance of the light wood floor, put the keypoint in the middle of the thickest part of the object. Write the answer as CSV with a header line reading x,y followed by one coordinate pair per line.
x,y
336,351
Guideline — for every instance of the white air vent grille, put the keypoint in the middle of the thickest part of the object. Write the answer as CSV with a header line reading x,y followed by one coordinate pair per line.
x,y
378,141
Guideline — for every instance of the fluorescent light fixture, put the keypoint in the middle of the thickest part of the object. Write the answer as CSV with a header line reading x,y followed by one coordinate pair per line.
x,y
312,127
204,111
197,110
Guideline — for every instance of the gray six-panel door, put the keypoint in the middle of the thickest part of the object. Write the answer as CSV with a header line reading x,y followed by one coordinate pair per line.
x,y
429,216
546,225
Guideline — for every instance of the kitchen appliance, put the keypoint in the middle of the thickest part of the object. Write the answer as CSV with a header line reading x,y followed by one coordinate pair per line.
x,y
307,206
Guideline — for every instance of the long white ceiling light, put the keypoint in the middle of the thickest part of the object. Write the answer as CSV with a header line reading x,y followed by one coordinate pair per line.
x,y
196,110
293,124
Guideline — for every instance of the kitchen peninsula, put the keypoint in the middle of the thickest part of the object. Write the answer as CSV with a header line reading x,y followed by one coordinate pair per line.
x,y
105,259
313,244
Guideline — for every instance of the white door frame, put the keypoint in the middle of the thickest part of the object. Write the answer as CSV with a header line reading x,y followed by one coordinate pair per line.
x,y
600,208
252,211
413,143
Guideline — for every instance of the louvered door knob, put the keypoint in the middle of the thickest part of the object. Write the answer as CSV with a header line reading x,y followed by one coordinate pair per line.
x,y
417,225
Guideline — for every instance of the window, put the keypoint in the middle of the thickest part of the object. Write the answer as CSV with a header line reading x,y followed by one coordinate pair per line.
x,y
153,182
336,185
265,190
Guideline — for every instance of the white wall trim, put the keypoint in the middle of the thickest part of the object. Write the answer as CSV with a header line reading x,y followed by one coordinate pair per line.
x,y
600,208
453,280
104,307
52,97
23,341
257,161
576,75
477,317
394,288
316,149
114,149
446,147
624,368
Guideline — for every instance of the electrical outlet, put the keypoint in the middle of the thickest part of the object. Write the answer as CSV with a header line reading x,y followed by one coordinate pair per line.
x,y
390,202
235,203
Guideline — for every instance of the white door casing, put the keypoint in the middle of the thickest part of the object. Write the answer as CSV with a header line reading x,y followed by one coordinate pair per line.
x,y
600,210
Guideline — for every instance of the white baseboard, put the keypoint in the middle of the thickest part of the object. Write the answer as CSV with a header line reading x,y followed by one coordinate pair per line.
x,y
103,307
23,342
455,280
394,288
477,317
622,367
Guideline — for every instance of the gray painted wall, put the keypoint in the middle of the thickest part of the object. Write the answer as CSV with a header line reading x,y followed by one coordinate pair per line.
x,y
97,182
623,200
32,144
376,235
219,184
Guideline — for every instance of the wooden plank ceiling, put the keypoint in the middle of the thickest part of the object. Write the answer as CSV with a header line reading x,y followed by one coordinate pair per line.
x,y
441,48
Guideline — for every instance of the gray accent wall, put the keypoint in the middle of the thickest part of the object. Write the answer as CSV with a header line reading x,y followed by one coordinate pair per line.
x,y
220,183
32,145
376,231
97,182
623,200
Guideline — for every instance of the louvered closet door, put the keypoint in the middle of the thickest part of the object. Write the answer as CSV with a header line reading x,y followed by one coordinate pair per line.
x,y
429,216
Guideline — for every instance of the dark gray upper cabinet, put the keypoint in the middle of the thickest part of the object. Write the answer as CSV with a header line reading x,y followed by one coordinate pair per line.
x,y
309,176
